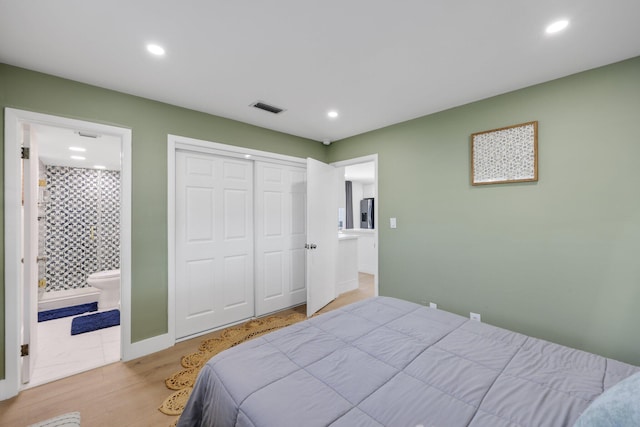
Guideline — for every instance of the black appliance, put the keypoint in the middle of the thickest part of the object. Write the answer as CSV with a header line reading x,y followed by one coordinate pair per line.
x,y
366,213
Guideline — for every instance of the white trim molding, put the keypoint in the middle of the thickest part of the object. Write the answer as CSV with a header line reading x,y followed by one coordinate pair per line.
x,y
376,218
175,143
14,119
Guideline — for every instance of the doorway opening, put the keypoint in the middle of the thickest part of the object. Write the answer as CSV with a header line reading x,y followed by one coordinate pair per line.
x,y
69,218
357,215
78,222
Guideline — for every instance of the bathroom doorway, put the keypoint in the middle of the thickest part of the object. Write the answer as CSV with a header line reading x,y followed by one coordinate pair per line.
x,y
74,217
78,217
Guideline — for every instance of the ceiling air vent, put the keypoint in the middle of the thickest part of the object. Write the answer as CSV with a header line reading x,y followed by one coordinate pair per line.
x,y
266,107
88,134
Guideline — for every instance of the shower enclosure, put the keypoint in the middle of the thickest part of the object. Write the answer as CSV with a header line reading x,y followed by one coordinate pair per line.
x,y
79,231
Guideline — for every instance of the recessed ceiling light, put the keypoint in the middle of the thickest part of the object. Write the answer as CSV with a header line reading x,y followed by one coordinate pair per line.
x,y
155,49
99,167
332,114
247,156
77,149
557,26
78,158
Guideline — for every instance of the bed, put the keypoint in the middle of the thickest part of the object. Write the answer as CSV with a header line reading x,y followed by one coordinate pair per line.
x,y
389,362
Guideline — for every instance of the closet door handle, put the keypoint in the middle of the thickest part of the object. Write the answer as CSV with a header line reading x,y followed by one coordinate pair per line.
x,y
41,258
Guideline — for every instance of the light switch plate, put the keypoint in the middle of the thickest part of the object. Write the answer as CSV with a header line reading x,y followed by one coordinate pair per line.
x,y
392,222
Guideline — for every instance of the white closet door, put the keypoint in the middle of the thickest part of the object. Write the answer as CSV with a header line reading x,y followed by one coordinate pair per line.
x,y
214,242
280,237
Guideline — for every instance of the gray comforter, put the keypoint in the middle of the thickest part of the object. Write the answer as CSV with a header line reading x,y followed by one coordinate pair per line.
x,y
389,362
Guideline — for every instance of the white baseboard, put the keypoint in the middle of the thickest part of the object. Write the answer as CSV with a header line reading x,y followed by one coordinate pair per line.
x,y
146,347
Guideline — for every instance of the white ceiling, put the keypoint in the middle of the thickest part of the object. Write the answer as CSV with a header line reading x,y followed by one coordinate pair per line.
x,y
54,144
376,62
362,172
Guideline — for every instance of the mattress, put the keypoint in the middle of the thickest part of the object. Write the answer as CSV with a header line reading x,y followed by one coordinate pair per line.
x,y
389,362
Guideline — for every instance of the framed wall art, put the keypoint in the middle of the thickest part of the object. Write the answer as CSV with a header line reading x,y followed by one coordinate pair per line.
x,y
505,155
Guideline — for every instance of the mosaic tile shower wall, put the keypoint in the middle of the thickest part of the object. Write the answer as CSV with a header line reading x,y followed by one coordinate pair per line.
x,y
82,222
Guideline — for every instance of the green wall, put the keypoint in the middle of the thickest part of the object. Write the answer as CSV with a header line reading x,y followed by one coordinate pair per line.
x,y
556,259
150,123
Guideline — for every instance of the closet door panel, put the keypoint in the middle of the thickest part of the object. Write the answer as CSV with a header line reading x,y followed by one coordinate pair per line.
x,y
297,270
234,285
200,287
214,242
273,277
280,237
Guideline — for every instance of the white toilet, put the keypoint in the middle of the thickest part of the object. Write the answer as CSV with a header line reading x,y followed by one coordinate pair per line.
x,y
109,284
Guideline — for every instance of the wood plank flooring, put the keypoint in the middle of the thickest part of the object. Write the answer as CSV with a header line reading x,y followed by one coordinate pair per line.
x,y
123,393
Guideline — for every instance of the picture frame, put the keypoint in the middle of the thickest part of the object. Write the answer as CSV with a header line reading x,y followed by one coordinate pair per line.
x,y
505,155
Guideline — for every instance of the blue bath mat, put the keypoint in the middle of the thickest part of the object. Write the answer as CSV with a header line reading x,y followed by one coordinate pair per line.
x,y
74,310
93,322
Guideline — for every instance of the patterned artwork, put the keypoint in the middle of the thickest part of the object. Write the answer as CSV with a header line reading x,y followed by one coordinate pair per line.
x,y
82,225
505,155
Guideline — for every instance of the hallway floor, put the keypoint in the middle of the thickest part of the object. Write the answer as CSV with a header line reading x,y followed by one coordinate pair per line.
x,y
366,289
61,354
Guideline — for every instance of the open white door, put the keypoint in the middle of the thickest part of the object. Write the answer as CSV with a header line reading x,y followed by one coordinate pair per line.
x,y
322,234
30,253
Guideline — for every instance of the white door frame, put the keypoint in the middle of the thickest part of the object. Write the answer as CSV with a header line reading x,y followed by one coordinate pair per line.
x,y
376,217
29,289
14,118
174,143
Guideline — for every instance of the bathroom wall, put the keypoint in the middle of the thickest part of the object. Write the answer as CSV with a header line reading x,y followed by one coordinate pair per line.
x,y
82,218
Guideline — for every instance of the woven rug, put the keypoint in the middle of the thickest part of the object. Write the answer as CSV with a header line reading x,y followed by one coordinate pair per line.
x,y
182,382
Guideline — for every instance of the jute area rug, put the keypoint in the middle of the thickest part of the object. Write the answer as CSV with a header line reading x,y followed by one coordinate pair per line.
x,y
182,382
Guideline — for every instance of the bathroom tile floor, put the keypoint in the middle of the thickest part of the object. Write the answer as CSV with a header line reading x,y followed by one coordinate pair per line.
x,y
60,354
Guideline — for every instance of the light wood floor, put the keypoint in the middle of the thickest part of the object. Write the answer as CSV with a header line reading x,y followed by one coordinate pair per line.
x,y
123,393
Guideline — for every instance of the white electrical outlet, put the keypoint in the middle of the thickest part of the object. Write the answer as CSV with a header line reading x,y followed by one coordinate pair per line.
x,y
474,316
433,305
